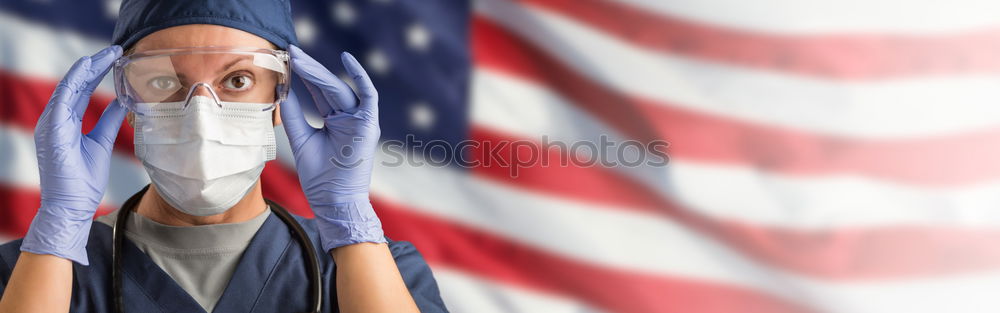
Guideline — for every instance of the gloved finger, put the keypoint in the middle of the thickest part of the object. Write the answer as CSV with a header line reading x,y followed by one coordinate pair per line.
x,y
318,99
59,108
366,89
294,121
337,93
100,64
106,130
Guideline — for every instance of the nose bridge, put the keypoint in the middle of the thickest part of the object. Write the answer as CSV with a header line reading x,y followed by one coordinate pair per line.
x,y
200,124
206,91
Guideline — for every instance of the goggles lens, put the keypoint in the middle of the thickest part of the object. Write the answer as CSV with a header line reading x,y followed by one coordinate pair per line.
x,y
227,74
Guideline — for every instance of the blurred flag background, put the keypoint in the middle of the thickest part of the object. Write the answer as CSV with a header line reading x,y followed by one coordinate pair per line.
x,y
825,156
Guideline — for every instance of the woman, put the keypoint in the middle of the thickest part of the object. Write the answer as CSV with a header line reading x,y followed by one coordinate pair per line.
x,y
201,83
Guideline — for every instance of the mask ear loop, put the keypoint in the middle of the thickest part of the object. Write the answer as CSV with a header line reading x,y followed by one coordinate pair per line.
x,y
210,91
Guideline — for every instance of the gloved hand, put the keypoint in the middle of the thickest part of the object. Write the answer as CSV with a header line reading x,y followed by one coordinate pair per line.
x,y
73,167
334,163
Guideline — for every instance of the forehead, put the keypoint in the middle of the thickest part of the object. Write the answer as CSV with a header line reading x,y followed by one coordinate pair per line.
x,y
200,35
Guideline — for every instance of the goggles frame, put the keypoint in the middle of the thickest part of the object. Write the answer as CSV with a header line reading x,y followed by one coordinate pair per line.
x,y
124,94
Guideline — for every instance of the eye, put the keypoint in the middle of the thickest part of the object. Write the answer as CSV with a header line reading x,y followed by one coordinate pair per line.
x,y
238,82
163,83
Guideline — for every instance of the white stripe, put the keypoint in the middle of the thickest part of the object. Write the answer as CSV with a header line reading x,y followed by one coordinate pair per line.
x,y
37,50
820,16
617,238
891,108
765,198
525,110
21,167
463,292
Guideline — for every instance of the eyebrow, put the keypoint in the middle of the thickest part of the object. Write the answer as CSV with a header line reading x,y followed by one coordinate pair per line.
x,y
183,78
233,63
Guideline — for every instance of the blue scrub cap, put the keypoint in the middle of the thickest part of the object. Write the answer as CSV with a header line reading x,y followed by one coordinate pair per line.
x,y
269,19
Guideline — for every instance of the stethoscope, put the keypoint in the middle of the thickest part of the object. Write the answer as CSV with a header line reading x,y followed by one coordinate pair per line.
x,y
118,241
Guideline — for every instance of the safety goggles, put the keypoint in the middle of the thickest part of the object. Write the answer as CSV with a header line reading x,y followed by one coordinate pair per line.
x,y
171,77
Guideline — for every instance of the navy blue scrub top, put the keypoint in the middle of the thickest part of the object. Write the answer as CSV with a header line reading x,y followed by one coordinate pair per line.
x,y
270,277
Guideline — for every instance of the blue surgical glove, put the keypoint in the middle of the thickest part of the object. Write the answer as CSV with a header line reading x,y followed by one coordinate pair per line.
x,y
334,162
73,167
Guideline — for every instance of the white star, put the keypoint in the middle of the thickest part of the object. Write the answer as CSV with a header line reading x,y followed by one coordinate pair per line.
x,y
344,13
111,8
422,116
378,62
418,37
305,29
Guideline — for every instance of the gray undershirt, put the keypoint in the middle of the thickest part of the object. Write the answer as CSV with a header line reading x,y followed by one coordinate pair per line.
x,y
201,259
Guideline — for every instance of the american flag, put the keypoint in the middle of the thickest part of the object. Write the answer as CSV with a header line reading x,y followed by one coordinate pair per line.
x,y
825,156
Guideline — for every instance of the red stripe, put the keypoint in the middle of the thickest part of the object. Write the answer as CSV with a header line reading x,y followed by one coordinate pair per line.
x,y
22,100
858,253
938,161
841,56
281,185
597,185
616,290
20,206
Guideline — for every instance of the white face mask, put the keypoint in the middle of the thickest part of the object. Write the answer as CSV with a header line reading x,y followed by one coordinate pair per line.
x,y
203,159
